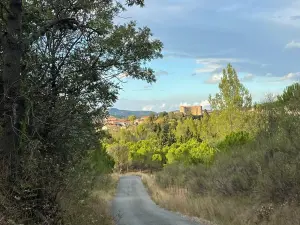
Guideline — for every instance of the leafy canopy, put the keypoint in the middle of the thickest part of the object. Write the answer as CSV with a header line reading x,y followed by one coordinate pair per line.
x,y
232,93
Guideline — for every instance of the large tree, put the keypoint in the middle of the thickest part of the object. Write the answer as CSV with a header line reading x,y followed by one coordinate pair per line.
x,y
233,93
59,69
232,100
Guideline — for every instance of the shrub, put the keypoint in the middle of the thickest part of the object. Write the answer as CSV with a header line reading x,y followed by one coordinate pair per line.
x,y
190,153
234,139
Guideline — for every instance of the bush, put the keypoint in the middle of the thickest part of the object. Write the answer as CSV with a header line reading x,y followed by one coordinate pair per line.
x,y
172,175
234,139
190,153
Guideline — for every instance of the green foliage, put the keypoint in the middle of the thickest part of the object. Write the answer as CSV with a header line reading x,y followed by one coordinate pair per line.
x,y
234,139
120,154
261,167
146,154
290,97
132,118
190,152
173,138
72,54
233,94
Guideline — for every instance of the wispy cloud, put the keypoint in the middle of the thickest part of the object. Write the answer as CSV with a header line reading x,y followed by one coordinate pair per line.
x,y
247,78
211,65
178,55
297,17
282,15
161,72
214,78
293,44
148,107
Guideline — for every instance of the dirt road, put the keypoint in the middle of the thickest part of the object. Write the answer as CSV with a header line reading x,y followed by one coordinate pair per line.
x,y
133,206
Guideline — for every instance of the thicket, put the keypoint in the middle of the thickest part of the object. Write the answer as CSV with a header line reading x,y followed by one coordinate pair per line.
x,y
262,167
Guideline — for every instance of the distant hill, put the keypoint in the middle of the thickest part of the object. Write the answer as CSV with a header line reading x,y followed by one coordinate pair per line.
x,y
125,113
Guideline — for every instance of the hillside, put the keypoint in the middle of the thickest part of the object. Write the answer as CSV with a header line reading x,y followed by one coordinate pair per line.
x,y
125,113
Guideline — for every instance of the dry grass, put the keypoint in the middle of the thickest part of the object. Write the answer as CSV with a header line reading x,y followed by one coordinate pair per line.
x,y
95,209
219,209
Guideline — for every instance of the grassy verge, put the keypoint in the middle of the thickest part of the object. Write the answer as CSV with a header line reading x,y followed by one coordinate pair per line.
x,y
219,209
93,208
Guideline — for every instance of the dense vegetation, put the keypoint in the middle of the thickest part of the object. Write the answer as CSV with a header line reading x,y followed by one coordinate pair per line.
x,y
176,138
238,151
59,72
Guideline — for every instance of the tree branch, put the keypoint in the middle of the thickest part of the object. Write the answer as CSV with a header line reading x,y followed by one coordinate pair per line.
x,y
70,23
2,6
47,27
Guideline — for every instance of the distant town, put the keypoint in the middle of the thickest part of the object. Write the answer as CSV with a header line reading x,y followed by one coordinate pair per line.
x,y
113,122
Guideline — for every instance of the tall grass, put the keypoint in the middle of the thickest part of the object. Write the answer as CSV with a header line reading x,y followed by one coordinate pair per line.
x,y
92,207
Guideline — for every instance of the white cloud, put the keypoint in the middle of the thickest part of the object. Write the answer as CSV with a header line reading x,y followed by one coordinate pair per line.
x,y
163,106
185,104
205,104
148,108
291,76
209,68
293,44
211,65
248,77
215,78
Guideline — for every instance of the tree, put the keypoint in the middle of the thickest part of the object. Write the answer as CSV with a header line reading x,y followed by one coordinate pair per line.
x,y
151,117
162,114
120,154
232,98
233,94
11,103
132,118
190,152
290,97
59,69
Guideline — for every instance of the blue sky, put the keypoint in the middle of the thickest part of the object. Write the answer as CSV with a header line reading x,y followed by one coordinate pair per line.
x,y
261,39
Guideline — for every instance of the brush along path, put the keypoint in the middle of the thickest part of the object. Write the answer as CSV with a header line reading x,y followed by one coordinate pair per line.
x,y
133,206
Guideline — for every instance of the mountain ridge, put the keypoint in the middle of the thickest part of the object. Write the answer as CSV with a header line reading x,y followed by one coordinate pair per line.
x,y
120,113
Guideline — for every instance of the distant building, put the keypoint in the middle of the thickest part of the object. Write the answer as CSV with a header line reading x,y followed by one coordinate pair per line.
x,y
144,118
115,122
191,110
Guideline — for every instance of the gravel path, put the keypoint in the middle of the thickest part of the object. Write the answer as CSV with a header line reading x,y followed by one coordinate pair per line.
x,y
133,206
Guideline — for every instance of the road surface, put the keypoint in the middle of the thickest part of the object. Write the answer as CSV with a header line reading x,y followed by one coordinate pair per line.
x,y
133,206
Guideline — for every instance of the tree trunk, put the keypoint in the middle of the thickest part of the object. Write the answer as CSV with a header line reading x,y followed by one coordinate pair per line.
x,y
12,105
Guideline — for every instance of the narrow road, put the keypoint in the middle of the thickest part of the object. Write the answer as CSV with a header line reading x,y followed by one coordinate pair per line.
x,y
133,206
